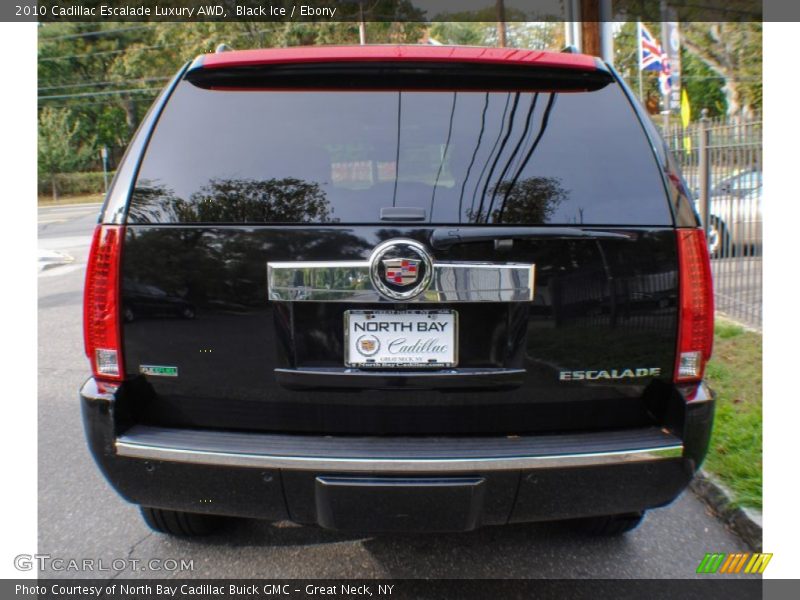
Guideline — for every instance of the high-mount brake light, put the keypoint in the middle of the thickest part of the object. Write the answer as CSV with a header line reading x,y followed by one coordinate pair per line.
x,y
392,53
101,324
696,305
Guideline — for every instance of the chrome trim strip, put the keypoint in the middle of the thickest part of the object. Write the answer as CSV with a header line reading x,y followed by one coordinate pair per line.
x,y
349,281
383,465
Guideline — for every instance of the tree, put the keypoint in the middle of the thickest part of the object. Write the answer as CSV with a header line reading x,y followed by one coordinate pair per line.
x,y
59,147
732,51
107,74
470,32
720,65
702,85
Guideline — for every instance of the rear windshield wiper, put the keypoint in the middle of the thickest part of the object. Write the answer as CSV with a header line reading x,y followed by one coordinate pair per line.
x,y
445,236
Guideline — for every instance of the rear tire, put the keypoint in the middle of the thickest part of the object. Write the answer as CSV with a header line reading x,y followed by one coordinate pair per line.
x,y
183,524
610,525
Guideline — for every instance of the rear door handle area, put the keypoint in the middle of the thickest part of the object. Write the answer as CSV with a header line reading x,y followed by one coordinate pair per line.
x,y
350,281
363,379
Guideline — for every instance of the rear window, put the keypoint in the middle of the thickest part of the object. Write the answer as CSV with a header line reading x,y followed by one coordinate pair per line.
x,y
471,157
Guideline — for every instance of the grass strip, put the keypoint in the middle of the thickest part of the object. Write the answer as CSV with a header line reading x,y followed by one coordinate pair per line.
x,y
734,373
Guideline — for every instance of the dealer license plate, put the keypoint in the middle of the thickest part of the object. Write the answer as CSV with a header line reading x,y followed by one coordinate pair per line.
x,y
422,338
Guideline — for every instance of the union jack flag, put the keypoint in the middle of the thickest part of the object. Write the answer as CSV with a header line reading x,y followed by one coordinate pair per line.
x,y
650,55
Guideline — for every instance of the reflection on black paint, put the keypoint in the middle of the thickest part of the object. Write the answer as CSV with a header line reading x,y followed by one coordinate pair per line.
x,y
143,300
336,156
533,200
152,202
223,269
287,200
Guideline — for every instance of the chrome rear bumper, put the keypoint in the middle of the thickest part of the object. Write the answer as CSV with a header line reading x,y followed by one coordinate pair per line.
x,y
397,455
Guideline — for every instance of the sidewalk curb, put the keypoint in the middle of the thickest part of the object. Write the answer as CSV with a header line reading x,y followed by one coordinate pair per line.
x,y
745,522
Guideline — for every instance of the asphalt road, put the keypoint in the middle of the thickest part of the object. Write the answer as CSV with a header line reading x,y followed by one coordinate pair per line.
x,y
80,517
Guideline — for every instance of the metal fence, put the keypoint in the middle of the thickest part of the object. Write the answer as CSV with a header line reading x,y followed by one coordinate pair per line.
x,y
722,164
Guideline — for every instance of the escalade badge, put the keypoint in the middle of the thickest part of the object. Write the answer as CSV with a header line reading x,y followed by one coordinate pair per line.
x,y
400,269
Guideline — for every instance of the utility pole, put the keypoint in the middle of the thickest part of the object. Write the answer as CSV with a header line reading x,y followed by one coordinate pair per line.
x,y
639,58
572,26
104,159
362,26
597,36
606,32
705,170
501,23
590,31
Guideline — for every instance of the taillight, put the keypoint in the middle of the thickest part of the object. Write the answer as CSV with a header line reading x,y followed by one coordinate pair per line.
x,y
696,324
101,324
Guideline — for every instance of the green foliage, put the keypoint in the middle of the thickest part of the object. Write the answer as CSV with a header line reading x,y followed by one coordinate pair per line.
x,y
60,147
734,373
74,184
104,76
703,86
733,52
472,33
720,65
537,36
726,330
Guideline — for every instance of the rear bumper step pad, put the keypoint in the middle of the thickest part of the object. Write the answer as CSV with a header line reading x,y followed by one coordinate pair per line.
x,y
397,454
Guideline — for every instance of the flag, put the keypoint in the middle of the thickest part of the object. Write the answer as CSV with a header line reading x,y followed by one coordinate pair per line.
x,y
686,109
686,118
653,58
650,53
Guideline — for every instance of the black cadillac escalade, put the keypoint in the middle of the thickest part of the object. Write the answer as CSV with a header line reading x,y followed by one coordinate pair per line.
x,y
397,288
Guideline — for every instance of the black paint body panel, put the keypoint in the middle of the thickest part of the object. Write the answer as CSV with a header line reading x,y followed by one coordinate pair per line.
x,y
599,305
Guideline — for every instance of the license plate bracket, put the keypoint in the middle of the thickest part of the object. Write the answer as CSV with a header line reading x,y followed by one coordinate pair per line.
x,y
401,339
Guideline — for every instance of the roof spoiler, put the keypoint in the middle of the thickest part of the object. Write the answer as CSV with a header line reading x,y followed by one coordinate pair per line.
x,y
399,67
397,54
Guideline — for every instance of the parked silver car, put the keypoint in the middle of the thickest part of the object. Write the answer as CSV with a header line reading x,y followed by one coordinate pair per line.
x,y
735,224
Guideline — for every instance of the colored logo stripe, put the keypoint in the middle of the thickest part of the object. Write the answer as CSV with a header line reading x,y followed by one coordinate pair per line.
x,y
710,563
719,562
758,563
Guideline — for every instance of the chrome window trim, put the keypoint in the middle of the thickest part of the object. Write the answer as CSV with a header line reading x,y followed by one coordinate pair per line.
x,y
450,282
404,465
